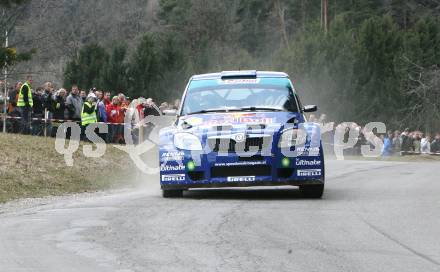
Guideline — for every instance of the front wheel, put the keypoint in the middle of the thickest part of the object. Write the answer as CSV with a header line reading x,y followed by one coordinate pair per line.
x,y
312,191
172,193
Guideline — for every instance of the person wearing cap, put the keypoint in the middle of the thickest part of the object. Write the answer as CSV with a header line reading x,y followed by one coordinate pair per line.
x,y
88,113
25,104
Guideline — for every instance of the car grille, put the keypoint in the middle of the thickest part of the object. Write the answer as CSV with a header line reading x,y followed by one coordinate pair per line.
x,y
196,175
240,171
285,172
230,145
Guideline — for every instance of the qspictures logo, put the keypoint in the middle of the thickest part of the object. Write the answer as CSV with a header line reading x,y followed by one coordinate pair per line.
x,y
344,137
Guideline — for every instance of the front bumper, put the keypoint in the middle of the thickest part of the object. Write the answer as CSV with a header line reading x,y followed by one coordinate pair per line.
x,y
240,184
215,171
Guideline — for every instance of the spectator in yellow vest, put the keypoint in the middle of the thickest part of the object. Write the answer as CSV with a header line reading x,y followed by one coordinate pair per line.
x,y
25,104
88,113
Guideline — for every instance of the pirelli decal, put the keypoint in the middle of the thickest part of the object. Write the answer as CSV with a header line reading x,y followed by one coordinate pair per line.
x,y
309,172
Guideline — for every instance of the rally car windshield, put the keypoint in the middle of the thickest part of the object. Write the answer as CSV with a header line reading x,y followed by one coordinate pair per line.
x,y
239,98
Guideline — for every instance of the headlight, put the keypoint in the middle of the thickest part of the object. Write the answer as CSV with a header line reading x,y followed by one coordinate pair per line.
x,y
292,137
187,141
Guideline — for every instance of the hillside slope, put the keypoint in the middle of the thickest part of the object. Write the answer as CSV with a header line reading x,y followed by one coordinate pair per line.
x,y
31,167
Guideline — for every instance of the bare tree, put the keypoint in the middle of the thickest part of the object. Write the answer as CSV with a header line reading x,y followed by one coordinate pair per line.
x,y
424,97
280,11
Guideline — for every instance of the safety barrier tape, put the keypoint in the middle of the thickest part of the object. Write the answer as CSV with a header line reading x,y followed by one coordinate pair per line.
x,y
56,120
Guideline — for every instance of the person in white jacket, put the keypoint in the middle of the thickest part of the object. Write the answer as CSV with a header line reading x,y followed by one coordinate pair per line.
x,y
425,146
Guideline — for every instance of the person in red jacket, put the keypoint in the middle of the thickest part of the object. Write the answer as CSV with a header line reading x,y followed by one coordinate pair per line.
x,y
115,116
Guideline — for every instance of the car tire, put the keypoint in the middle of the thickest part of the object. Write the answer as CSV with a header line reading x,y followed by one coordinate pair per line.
x,y
172,193
312,191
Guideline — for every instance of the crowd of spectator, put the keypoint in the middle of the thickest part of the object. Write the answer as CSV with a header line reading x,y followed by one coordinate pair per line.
x,y
394,142
52,106
410,142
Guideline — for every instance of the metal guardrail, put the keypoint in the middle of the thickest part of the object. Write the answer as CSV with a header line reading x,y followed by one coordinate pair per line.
x,y
55,120
47,121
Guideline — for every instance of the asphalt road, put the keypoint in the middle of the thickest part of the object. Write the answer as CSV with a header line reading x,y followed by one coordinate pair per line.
x,y
374,217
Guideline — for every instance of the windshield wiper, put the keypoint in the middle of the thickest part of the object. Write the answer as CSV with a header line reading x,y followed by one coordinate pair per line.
x,y
208,111
259,109
236,109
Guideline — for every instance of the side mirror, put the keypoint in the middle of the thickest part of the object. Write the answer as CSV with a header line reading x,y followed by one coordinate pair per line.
x,y
310,108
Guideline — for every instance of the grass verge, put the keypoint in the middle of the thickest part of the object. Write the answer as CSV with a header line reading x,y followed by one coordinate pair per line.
x,y
31,167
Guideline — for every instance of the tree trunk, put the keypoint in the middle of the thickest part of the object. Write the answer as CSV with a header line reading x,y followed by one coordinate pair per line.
x,y
324,15
280,11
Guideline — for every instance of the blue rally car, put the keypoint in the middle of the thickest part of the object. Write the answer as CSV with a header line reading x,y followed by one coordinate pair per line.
x,y
241,129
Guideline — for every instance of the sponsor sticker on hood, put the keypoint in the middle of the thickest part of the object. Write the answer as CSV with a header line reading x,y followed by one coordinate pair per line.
x,y
237,118
228,119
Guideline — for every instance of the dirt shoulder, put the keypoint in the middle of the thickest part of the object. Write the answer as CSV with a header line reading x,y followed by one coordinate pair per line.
x,y
31,167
